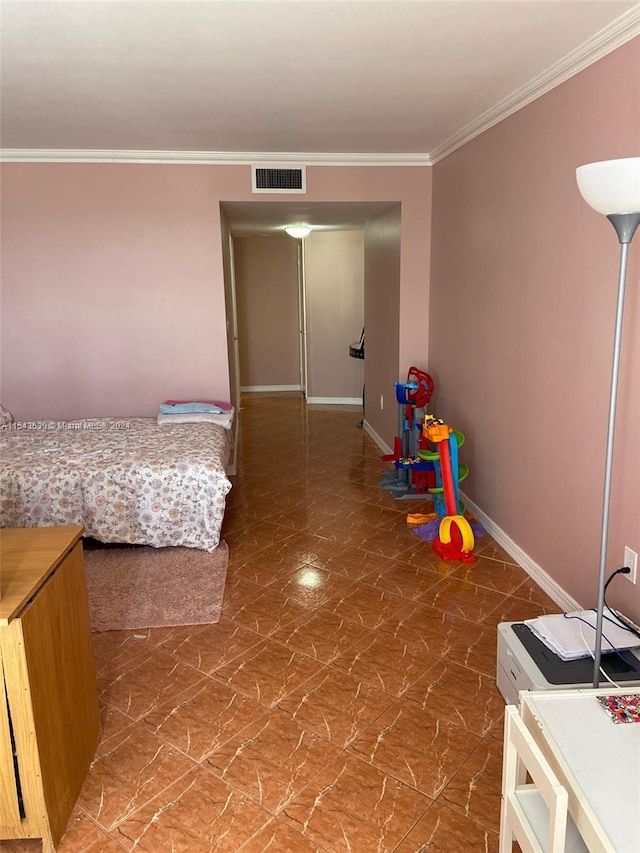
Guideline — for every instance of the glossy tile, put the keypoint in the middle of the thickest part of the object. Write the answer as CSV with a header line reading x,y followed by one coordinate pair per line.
x,y
488,547
366,605
112,721
197,814
386,662
143,684
81,833
404,579
267,611
475,647
460,695
271,760
459,597
426,628
385,543
171,636
335,705
323,635
238,591
252,538
268,672
311,587
390,744
213,646
493,574
474,791
352,807
442,830
206,716
113,650
354,563
277,557
129,769
529,591
277,837
104,845
342,528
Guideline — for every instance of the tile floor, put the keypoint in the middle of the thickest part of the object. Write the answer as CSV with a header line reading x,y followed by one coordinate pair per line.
x,y
346,701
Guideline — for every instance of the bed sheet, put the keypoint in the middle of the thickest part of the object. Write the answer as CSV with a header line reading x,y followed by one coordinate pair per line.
x,y
125,480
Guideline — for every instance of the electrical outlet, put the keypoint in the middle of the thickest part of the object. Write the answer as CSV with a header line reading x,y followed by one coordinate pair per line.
x,y
382,401
631,560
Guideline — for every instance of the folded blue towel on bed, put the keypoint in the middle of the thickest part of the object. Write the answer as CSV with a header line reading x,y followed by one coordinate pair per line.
x,y
189,408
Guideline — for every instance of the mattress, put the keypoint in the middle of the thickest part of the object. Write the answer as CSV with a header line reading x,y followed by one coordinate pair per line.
x,y
125,480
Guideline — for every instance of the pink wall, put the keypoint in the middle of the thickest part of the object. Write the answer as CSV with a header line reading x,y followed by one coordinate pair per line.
x,y
113,278
267,293
523,284
107,304
382,321
334,287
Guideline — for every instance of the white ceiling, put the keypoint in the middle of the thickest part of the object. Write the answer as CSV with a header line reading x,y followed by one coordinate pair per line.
x,y
368,77
312,80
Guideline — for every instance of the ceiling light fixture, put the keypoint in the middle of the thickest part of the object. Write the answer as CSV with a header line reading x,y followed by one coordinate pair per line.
x,y
297,231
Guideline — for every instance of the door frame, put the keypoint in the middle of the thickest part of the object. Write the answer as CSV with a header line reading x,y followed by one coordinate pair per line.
x,y
233,321
302,318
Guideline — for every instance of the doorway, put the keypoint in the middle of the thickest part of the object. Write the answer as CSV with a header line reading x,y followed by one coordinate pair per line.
x,y
266,273
381,223
300,304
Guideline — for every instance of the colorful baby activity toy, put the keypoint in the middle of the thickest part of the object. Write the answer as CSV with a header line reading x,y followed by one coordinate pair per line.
x,y
455,539
426,465
411,476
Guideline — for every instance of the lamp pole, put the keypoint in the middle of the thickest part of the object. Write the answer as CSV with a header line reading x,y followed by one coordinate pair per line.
x,y
611,187
625,225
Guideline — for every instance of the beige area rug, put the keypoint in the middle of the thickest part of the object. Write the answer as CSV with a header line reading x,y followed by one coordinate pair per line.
x,y
132,586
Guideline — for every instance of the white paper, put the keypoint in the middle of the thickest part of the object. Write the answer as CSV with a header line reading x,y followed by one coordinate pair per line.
x,y
570,638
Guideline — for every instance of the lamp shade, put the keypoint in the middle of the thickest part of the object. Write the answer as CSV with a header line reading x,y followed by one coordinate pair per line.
x,y
611,186
297,231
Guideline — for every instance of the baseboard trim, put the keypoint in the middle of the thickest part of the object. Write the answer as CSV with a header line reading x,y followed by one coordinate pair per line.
x,y
384,447
334,401
266,389
564,601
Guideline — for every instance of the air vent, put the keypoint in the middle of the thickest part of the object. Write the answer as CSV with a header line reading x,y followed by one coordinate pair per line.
x,y
278,179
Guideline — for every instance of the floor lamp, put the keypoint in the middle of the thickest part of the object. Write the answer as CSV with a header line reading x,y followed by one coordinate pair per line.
x,y
612,187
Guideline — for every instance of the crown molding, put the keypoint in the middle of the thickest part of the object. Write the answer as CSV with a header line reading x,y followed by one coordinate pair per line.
x,y
620,31
209,158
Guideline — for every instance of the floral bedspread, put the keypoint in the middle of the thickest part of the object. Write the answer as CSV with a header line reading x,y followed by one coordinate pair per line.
x,y
125,480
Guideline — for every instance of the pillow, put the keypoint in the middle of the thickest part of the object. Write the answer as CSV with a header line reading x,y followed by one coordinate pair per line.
x,y
6,418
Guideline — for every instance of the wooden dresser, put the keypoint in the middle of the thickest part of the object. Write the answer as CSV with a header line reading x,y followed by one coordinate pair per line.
x,y
49,715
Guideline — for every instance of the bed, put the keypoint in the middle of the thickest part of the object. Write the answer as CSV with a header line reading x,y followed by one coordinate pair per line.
x,y
125,480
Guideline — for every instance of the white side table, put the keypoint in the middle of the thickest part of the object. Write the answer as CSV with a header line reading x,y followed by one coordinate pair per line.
x,y
597,761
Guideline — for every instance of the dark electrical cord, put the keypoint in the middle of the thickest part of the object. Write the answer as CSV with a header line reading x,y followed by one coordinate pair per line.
x,y
624,570
614,650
